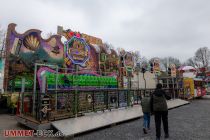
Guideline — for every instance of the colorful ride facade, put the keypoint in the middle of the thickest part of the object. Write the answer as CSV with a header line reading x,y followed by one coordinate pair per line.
x,y
83,61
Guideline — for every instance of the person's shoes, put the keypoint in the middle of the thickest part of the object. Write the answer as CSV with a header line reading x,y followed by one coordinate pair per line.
x,y
166,136
144,130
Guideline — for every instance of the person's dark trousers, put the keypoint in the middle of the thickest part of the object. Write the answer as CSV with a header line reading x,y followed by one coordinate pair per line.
x,y
158,116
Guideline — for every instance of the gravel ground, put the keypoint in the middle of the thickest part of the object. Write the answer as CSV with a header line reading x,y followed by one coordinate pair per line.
x,y
189,122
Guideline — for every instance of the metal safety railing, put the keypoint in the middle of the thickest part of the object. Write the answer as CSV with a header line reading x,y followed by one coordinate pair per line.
x,y
60,104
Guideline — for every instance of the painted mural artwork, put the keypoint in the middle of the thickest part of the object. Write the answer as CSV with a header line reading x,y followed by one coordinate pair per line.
x,y
128,60
156,65
101,59
26,49
77,50
31,45
83,46
173,70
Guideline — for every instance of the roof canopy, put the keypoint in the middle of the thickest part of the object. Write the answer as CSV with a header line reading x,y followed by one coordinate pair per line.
x,y
187,68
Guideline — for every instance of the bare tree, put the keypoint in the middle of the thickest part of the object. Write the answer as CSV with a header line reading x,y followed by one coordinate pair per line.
x,y
2,37
137,60
153,58
120,51
108,45
192,62
137,56
144,62
170,60
202,56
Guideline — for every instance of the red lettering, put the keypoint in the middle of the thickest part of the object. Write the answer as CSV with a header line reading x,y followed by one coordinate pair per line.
x,y
20,133
29,133
6,133
13,133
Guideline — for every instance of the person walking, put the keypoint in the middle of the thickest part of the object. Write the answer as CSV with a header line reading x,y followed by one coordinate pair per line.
x,y
145,104
160,109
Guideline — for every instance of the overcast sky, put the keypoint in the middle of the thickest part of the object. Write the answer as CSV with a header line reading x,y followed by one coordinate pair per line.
x,y
154,27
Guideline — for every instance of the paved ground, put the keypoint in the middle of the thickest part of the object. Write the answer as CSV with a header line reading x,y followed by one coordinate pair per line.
x,y
189,122
92,121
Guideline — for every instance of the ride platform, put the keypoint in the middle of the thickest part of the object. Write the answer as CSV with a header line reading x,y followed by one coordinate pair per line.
x,y
91,121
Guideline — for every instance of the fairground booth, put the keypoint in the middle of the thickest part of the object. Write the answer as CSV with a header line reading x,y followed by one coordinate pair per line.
x,y
193,82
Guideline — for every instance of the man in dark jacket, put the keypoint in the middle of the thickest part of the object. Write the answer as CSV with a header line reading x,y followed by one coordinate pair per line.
x,y
160,109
